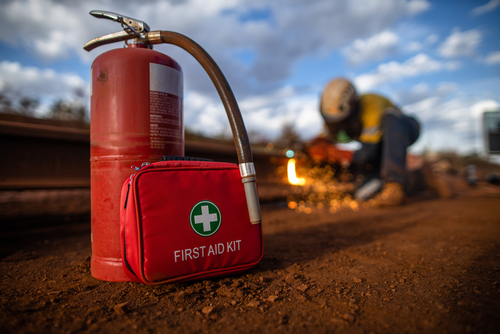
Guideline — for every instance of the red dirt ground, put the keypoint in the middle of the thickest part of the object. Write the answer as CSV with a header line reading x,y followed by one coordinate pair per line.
x,y
430,266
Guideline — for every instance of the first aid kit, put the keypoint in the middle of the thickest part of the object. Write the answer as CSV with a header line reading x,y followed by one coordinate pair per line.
x,y
186,220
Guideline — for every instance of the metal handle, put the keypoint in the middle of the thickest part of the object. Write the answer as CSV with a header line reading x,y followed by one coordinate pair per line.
x,y
133,29
138,26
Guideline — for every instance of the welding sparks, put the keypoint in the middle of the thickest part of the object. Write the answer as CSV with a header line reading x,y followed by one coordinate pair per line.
x,y
292,176
328,188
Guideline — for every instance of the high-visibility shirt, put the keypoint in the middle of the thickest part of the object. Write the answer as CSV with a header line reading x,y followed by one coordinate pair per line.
x,y
372,108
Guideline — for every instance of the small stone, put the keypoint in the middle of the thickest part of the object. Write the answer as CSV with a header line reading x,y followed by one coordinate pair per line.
x,y
93,309
338,321
283,320
302,287
272,299
180,309
120,308
233,302
354,306
253,303
180,296
237,283
225,291
239,294
207,310
349,317
289,279
357,280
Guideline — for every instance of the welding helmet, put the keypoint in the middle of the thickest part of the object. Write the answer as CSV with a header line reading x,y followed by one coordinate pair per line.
x,y
338,107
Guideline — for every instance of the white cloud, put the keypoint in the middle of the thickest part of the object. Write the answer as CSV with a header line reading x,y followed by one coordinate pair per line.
x,y
44,84
393,71
374,48
486,8
460,43
431,39
49,29
493,58
14,76
415,46
422,92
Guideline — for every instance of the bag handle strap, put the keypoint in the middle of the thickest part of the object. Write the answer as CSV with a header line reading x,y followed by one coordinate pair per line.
x,y
243,150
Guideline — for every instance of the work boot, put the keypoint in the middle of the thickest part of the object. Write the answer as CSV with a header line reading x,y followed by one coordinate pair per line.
x,y
392,194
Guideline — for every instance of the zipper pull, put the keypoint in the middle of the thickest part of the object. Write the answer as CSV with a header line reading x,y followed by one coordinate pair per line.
x,y
132,175
138,168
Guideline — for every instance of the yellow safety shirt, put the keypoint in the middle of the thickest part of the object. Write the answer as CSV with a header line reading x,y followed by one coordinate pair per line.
x,y
371,108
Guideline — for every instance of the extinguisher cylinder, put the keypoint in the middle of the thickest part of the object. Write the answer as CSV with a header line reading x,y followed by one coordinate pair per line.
x,y
136,116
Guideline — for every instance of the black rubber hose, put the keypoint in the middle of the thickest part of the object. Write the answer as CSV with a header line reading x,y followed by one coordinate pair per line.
x,y
226,94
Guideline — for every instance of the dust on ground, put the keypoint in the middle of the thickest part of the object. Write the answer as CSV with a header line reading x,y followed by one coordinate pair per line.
x,y
432,265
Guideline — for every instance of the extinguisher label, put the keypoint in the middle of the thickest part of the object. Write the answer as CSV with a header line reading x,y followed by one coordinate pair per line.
x,y
165,79
165,85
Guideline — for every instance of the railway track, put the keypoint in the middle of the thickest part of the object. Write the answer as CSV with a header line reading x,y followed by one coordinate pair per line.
x,y
46,168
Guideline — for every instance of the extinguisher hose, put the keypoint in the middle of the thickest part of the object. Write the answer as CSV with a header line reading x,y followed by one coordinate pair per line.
x,y
240,136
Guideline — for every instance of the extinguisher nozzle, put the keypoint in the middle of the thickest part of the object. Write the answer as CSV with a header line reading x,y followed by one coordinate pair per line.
x,y
252,200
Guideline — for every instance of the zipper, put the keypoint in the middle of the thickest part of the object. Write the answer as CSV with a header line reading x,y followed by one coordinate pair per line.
x,y
144,164
125,253
125,220
126,198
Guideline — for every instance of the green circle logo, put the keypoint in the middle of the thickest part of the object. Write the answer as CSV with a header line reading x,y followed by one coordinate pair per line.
x,y
205,218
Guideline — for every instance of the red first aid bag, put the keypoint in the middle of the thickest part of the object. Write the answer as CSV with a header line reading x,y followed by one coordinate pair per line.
x,y
186,220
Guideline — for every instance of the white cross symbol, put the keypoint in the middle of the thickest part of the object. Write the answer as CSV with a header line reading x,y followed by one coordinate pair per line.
x,y
205,218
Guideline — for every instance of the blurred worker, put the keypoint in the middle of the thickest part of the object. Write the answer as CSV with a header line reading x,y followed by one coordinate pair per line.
x,y
383,130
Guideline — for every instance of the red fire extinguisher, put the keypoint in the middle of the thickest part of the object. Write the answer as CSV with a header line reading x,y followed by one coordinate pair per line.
x,y
136,116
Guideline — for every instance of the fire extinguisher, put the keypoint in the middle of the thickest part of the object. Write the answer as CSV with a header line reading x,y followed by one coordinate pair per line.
x,y
136,116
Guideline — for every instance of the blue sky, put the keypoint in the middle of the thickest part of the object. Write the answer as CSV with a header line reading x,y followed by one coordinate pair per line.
x,y
438,60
